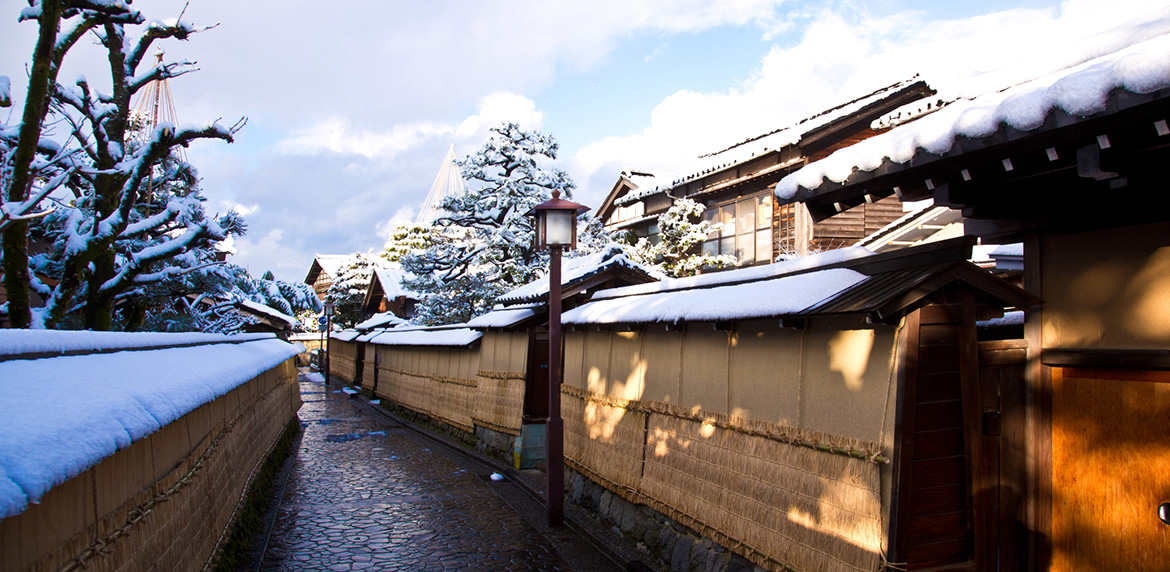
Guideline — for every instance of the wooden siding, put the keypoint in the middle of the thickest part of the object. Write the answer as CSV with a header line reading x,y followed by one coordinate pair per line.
x,y
850,226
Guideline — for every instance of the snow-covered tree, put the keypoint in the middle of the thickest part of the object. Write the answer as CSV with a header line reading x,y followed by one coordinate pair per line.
x,y
348,291
485,246
128,212
680,231
408,239
205,301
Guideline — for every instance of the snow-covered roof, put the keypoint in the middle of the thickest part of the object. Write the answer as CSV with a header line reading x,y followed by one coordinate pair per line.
x,y
771,141
391,280
345,335
383,320
426,337
880,286
741,275
333,263
1134,57
269,312
764,298
576,269
503,317
62,415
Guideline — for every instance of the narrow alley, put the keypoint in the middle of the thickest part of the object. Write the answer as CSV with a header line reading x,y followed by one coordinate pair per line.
x,y
363,491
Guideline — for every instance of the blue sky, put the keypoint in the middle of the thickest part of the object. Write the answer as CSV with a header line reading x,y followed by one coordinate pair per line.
x,y
351,107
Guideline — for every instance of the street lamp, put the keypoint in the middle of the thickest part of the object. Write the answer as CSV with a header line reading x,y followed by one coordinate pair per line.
x,y
556,229
328,331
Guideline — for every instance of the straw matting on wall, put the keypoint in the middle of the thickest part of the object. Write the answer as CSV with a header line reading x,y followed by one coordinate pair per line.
x,y
342,360
499,401
606,435
777,495
455,400
805,508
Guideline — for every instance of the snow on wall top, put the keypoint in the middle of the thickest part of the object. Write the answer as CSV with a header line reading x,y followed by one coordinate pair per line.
x,y
62,415
501,318
1134,57
345,335
16,342
574,269
426,337
269,311
383,320
1013,249
741,275
766,298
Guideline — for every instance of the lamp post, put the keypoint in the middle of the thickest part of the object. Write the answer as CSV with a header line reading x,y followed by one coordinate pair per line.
x,y
328,331
556,229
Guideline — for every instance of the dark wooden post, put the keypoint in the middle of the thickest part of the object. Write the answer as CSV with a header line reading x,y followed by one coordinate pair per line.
x,y
554,490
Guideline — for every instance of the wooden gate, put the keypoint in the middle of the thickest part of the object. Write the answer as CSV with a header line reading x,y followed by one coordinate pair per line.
x,y
960,474
1110,469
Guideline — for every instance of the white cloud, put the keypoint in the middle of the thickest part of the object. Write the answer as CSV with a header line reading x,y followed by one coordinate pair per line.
x,y
339,135
404,215
496,108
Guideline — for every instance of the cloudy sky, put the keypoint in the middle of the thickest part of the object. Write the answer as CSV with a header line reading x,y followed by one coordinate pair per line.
x,y
352,104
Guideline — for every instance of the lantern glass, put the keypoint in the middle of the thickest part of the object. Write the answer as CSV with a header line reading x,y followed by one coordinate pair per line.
x,y
329,309
558,227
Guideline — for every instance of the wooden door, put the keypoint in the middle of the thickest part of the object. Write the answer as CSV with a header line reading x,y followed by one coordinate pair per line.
x,y
1110,469
961,460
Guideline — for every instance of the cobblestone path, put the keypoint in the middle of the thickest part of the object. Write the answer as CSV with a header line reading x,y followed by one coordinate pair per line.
x,y
366,493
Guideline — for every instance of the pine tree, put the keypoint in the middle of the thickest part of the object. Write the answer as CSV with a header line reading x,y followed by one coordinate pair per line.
x,y
680,231
485,246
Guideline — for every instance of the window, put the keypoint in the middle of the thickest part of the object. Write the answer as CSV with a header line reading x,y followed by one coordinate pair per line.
x,y
742,228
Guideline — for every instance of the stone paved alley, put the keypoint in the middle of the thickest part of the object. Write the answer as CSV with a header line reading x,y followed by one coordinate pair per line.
x,y
366,492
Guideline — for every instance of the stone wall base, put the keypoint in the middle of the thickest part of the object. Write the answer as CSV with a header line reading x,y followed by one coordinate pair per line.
x,y
666,542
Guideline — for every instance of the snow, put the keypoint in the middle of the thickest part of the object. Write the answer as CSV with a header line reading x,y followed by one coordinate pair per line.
x,y
332,264
5,91
345,335
766,298
270,312
1014,318
1082,90
1013,249
427,337
14,342
62,415
574,269
380,321
741,275
391,281
502,317
759,145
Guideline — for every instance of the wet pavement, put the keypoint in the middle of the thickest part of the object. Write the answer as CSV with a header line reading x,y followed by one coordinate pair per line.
x,y
364,491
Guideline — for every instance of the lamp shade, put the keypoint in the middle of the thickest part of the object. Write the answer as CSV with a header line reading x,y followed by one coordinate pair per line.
x,y
556,222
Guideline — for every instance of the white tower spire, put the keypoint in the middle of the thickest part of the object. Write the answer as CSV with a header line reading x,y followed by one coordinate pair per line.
x,y
449,182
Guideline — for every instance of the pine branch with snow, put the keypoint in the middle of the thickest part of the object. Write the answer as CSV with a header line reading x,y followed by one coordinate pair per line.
x,y
680,232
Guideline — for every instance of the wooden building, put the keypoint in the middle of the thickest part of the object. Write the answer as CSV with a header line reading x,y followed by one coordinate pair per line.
x,y
1071,165
324,270
764,407
386,294
735,185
